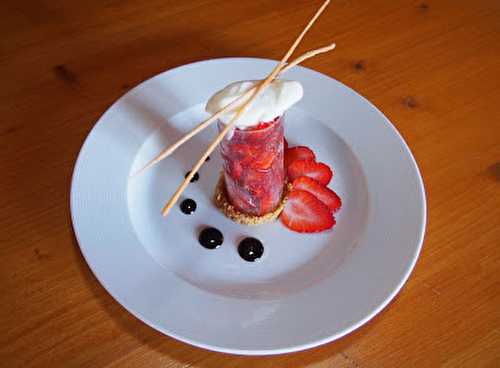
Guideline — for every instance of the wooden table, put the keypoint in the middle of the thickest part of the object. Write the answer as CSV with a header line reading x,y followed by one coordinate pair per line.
x,y
433,67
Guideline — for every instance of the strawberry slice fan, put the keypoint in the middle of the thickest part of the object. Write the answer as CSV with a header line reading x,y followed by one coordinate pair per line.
x,y
311,204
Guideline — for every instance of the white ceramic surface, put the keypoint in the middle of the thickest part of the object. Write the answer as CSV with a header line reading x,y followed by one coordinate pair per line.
x,y
307,289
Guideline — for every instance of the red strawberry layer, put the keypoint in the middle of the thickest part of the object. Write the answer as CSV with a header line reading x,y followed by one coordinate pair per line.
x,y
253,167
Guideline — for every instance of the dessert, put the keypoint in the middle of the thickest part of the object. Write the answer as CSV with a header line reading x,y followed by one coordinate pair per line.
x,y
254,174
223,204
271,103
253,154
262,176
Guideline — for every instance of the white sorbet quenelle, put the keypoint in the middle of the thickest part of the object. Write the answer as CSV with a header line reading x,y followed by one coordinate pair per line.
x,y
273,101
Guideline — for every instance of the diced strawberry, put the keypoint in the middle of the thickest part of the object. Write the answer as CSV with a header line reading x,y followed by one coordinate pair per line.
x,y
235,170
255,175
263,160
268,202
240,151
240,198
324,194
259,126
285,144
263,124
305,213
316,170
298,153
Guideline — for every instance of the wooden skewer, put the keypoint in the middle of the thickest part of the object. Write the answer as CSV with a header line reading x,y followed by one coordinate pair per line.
x,y
217,140
169,150
166,209
306,56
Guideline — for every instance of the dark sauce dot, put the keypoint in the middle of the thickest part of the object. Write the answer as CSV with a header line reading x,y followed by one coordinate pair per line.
x,y
207,159
250,249
211,238
188,206
196,177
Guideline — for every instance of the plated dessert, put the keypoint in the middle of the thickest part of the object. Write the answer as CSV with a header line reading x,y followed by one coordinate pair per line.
x,y
252,186
177,273
262,178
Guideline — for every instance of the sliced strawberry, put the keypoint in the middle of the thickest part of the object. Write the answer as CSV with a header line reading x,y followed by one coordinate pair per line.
x,y
298,153
285,144
324,194
316,170
305,213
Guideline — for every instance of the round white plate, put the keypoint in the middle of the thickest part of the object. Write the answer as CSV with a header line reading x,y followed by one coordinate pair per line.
x,y
307,289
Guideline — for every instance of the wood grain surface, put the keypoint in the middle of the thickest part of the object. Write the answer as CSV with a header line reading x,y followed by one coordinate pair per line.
x,y
432,66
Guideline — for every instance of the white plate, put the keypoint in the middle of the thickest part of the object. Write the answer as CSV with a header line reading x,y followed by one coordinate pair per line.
x,y
307,289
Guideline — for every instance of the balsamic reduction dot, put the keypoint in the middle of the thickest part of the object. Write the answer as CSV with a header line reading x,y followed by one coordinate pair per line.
x,y
195,177
250,249
211,238
207,159
188,206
